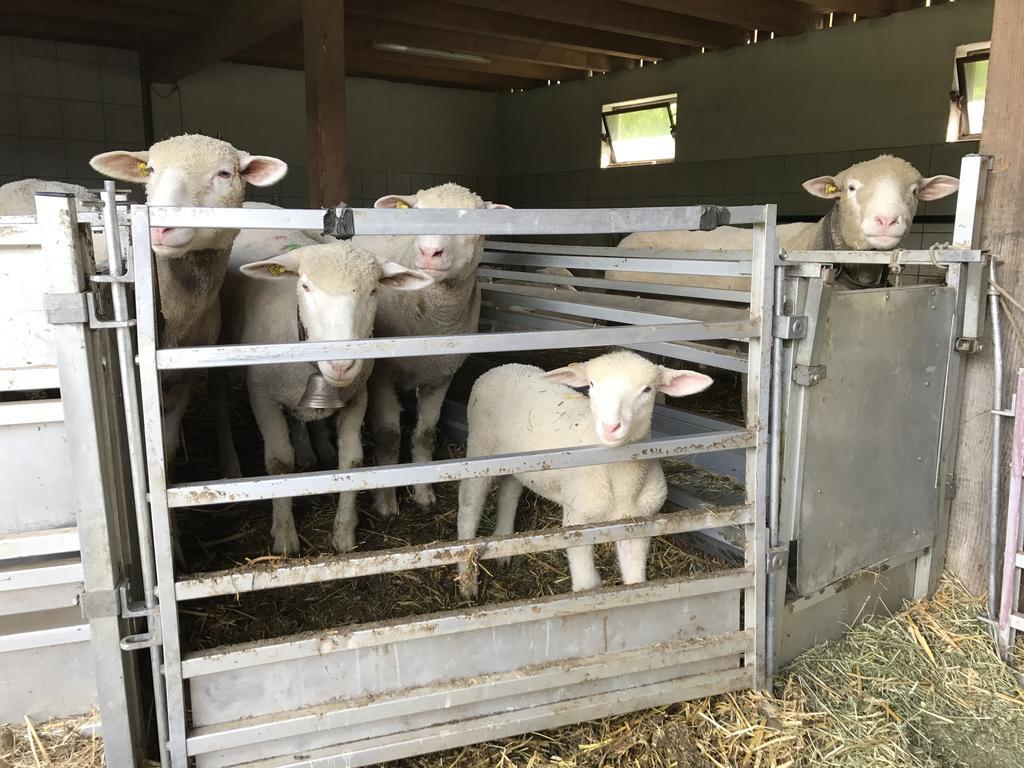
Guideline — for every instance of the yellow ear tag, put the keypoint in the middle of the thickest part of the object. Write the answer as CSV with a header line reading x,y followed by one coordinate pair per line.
x,y
144,170
401,204
276,270
831,189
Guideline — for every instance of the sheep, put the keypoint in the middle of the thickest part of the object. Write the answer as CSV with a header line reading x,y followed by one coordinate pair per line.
x,y
450,306
875,205
329,292
189,170
516,407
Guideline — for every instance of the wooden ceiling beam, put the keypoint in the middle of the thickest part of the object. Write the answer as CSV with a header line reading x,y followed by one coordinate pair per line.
x,y
784,17
866,8
375,66
442,14
237,25
621,17
83,32
97,11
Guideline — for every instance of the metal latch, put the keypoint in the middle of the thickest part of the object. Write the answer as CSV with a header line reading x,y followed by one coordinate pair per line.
x,y
778,558
809,375
65,308
712,217
968,346
789,326
338,223
110,603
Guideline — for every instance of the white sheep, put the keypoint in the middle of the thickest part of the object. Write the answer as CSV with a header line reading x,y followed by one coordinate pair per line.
x,y
875,205
330,292
189,170
450,306
514,408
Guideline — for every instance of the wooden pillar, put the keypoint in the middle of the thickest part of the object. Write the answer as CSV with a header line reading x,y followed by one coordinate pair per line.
x,y
1002,234
323,31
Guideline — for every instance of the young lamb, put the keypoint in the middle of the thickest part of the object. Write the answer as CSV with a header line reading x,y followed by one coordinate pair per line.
x,y
450,306
875,205
317,292
515,408
189,170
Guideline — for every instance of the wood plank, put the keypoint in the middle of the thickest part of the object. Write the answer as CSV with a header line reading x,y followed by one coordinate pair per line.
x,y
860,7
237,25
785,17
326,125
1001,233
443,14
621,17
360,66
100,11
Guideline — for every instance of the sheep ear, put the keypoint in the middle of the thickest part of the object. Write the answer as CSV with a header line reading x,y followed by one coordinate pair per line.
x,y
499,205
123,165
574,375
402,278
261,170
285,265
680,383
937,187
823,186
396,201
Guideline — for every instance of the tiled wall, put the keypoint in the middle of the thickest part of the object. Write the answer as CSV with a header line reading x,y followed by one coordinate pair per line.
x,y
62,103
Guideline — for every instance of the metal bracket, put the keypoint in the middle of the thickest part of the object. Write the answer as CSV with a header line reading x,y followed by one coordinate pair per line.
x,y
96,323
809,375
968,346
789,326
65,308
338,223
778,558
110,603
99,604
712,217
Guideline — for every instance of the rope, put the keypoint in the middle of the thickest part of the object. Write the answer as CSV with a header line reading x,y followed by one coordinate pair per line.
x,y
1006,301
937,247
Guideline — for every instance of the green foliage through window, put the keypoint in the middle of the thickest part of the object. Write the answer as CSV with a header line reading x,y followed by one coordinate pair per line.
x,y
638,133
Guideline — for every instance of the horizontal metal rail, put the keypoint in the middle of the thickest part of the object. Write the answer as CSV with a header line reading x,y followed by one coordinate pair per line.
x,y
918,257
251,579
622,264
422,346
45,574
36,543
460,692
735,254
453,622
367,478
448,221
45,638
519,296
622,286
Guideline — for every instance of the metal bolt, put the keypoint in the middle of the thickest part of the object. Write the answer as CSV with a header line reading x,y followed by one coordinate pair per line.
x,y
914,533
818,491
887,297
927,383
920,458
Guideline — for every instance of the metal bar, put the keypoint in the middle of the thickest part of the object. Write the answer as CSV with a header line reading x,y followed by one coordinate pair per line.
x,y
453,622
618,253
367,478
136,456
624,286
942,255
773,588
152,423
623,264
43,638
235,582
466,691
452,221
19,234
31,412
997,444
37,543
425,346
580,309
1008,595
68,572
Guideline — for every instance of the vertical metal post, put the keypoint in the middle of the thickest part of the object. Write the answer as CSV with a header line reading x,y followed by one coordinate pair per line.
x,y
1010,586
79,368
136,456
152,421
762,301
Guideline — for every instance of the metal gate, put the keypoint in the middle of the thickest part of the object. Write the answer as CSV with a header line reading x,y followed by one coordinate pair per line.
x,y
361,694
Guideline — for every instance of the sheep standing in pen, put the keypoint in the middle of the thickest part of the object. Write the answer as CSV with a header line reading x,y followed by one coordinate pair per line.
x,y
514,408
450,306
315,292
189,170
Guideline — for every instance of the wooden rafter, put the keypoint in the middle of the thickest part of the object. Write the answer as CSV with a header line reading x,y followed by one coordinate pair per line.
x,y
784,17
866,8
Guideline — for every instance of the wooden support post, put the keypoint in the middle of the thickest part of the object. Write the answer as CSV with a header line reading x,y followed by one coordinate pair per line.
x,y
1002,234
323,25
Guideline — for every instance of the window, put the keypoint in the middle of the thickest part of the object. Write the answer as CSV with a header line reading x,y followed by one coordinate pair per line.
x,y
638,132
970,78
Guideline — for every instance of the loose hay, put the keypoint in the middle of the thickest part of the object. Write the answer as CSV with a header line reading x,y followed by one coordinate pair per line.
x,y
70,743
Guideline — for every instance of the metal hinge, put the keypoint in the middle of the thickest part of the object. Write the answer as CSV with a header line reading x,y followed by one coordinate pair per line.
x,y
109,603
778,558
968,346
338,223
809,375
789,326
712,217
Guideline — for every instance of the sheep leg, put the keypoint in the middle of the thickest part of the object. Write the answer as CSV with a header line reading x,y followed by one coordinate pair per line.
x,y
218,387
385,415
428,400
304,456
509,491
350,454
175,404
472,496
632,556
280,460
326,453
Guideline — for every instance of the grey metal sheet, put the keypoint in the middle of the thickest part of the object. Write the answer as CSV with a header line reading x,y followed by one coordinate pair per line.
x,y
47,681
35,474
868,490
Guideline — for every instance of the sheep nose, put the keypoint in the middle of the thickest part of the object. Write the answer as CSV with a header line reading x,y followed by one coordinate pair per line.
x,y
609,430
339,368
428,253
885,222
157,234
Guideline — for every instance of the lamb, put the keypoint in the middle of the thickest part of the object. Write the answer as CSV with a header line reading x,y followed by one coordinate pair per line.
x,y
318,292
515,408
189,170
875,205
450,306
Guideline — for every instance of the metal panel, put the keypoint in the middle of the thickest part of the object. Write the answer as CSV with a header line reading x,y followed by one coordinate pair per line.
x,y
867,491
38,491
28,337
49,676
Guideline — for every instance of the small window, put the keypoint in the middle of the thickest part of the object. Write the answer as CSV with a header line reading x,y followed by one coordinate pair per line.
x,y
638,132
970,79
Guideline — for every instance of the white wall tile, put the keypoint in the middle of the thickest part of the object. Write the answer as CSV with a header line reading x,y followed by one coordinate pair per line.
x,y
119,57
123,123
77,52
80,80
77,155
36,76
39,117
8,115
120,85
26,46
43,158
10,157
82,120
6,73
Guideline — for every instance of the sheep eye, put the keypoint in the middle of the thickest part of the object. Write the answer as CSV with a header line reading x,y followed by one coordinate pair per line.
x,y
224,174
852,188
306,288
373,292
590,383
648,390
